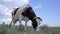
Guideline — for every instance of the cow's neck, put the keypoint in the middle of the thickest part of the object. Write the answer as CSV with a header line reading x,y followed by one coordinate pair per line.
x,y
32,19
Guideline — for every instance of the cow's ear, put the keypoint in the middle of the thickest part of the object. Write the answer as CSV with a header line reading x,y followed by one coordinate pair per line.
x,y
39,18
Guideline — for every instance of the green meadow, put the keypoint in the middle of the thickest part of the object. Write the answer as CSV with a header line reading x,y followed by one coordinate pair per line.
x,y
4,29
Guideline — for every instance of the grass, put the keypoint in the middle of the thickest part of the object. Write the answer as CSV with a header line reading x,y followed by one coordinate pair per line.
x,y
4,29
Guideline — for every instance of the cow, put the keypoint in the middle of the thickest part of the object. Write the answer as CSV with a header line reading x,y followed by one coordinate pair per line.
x,y
25,13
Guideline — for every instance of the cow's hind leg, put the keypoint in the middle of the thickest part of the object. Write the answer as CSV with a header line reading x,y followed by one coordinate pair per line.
x,y
10,24
13,26
20,20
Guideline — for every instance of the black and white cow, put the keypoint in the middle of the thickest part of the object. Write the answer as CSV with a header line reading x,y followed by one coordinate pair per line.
x,y
25,13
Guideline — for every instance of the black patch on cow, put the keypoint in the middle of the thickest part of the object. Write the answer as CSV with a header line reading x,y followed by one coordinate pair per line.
x,y
29,13
15,10
34,23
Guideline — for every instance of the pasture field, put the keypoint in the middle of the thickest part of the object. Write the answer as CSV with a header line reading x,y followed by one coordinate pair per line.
x,y
4,29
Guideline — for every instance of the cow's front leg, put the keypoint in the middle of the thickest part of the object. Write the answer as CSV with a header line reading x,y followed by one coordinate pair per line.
x,y
25,28
26,20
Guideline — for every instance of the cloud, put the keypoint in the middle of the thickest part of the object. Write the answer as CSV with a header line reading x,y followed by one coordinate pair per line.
x,y
37,6
20,2
7,0
4,10
16,2
5,14
6,21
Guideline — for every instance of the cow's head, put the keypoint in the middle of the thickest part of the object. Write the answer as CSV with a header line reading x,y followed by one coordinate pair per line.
x,y
35,22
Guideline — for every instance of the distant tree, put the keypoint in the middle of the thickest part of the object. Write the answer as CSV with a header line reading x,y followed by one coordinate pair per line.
x,y
3,23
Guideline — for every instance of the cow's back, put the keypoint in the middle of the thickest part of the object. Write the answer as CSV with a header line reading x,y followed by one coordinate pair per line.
x,y
20,11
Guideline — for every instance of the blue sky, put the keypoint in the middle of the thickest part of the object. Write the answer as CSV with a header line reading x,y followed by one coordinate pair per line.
x,y
48,10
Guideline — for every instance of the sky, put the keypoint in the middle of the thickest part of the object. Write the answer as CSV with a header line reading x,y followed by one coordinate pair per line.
x,y
48,10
